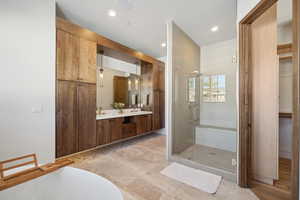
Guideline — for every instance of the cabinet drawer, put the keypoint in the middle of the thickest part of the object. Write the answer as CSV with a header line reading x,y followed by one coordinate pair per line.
x,y
129,130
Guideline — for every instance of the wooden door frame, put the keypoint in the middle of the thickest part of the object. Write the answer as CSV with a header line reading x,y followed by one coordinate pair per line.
x,y
245,90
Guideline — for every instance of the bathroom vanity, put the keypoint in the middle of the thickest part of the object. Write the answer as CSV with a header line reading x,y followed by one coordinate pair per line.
x,y
114,126
85,84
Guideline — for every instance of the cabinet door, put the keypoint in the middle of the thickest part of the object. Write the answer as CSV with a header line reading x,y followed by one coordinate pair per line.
x,y
86,116
66,127
88,57
156,110
162,108
156,77
67,56
141,124
103,132
129,130
148,123
116,129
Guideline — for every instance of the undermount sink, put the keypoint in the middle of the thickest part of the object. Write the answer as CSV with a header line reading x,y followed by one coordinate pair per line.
x,y
126,112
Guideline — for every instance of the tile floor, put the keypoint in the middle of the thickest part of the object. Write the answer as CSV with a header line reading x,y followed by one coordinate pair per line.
x,y
135,166
209,156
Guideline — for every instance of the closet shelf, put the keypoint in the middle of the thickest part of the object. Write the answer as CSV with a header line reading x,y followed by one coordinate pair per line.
x,y
285,58
284,48
285,115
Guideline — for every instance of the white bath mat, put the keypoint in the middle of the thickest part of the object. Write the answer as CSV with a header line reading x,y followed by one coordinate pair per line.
x,y
199,179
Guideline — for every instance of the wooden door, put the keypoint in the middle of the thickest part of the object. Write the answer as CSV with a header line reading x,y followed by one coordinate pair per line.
x,y
103,132
116,128
67,53
86,116
162,96
66,118
265,97
121,89
88,61
156,110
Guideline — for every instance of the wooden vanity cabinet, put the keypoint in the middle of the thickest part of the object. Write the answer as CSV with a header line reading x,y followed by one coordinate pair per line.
x,y
129,130
143,123
86,94
67,56
116,128
103,132
66,118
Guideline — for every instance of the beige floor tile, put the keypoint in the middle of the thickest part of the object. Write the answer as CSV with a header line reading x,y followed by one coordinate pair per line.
x,y
135,166
209,156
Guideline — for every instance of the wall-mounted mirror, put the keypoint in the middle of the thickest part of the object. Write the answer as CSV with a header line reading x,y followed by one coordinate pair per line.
x,y
117,82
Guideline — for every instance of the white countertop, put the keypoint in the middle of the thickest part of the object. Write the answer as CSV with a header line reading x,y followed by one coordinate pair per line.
x,y
125,114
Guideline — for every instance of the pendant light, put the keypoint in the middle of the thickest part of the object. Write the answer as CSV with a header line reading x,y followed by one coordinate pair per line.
x,y
101,70
137,77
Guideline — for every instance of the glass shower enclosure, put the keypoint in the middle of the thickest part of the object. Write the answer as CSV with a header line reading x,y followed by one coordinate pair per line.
x,y
184,80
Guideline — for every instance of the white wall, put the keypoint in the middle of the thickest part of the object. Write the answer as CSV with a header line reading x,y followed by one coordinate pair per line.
x,y
27,56
218,58
285,94
224,139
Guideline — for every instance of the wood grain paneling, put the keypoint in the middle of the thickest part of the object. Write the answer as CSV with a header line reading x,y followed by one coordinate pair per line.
x,y
88,59
156,110
285,169
162,96
265,97
269,192
129,130
284,48
296,100
143,123
66,118
92,36
103,132
116,128
67,56
86,116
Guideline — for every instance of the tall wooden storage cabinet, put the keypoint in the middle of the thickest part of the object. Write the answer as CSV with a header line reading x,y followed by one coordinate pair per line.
x,y
75,94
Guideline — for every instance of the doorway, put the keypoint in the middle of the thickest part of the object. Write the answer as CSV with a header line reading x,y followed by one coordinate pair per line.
x,y
252,152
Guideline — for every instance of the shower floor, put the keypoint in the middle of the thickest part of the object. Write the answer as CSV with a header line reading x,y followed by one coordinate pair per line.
x,y
213,157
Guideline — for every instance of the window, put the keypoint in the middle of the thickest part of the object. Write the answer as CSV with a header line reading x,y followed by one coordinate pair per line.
x,y
213,88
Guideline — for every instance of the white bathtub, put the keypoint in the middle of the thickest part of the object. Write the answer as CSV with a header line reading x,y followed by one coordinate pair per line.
x,y
67,183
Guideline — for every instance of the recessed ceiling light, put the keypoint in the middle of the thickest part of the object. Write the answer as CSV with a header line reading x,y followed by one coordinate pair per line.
x,y
163,44
214,29
112,13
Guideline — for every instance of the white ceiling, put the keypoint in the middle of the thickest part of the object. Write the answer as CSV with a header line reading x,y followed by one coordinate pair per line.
x,y
141,24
